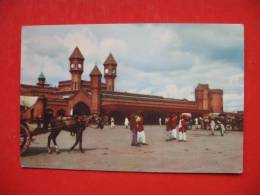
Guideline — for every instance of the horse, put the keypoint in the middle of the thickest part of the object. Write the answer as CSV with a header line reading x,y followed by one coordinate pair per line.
x,y
74,125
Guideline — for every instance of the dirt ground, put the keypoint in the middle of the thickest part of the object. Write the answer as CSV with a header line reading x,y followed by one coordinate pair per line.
x,y
110,150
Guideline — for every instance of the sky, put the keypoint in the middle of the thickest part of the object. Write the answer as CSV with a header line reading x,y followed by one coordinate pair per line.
x,y
158,59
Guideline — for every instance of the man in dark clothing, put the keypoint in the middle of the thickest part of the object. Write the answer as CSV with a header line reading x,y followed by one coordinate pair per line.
x,y
48,116
133,128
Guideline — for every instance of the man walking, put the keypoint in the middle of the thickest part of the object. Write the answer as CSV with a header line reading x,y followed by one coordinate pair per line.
x,y
160,121
174,126
212,126
140,130
133,129
168,126
126,123
112,122
182,129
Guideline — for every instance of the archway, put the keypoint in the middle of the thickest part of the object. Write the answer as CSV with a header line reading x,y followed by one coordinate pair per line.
x,y
61,112
152,117
81,109
118,116
32,114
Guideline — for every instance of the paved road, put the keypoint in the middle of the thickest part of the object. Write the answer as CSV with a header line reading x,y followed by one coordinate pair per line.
x,y
109,149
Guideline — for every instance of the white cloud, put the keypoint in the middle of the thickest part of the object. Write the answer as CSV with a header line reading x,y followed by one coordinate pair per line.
x,y
236,78
115,45
168,60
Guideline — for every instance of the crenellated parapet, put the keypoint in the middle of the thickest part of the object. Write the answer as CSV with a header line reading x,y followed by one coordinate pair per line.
x,y
209,99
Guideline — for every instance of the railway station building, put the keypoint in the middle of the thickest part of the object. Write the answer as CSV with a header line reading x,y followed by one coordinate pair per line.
x,y
77,96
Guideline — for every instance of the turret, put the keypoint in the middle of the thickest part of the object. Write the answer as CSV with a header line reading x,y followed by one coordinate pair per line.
x,y
95,77
202,96
216,100
76,68
110,66
41,80
209,99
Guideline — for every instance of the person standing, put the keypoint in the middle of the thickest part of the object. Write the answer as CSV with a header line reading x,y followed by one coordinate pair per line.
x,y
221,127
133,128
160,121
206,123
140,130
174,126
112,122
168,128
196,120
182,129
201,122
126,123
212,126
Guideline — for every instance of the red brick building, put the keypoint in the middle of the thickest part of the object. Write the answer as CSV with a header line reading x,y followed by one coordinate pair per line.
x,y
77,96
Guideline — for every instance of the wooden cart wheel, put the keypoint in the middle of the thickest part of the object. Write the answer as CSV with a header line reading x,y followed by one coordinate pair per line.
x,y
25,138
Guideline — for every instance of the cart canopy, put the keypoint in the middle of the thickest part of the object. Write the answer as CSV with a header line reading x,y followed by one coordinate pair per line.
x,y
187,115
28,101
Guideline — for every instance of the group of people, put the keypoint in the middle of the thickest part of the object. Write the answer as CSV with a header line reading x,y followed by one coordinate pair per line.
x,y
176,129
210,123
136,124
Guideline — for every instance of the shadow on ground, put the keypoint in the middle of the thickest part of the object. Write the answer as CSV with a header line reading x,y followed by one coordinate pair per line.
x,y
32,151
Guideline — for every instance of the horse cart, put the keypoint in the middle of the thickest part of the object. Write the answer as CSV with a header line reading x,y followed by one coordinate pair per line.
x,y
28,128
45,122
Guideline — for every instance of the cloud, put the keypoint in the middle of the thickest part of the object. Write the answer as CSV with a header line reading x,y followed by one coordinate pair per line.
x,y
159,59
234,101
115,45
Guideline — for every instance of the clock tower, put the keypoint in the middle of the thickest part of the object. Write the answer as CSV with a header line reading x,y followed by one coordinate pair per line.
x,y
76,68
110,72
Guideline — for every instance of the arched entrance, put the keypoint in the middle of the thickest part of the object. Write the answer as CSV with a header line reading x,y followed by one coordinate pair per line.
x,y
81,109
61,112
152,117
118,116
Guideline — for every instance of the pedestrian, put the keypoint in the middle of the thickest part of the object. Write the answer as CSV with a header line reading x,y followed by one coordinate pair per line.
x,y
126,123
182,129
206,123
112,122
168,128
212,125
201,122
133,128
174,127
140,130
196,120
221,127
38,121
160,121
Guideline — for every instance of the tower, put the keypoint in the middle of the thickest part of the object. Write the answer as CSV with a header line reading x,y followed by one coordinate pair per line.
x,y
209,99
76,68
216,100
95,77
110,65
41,80
202,96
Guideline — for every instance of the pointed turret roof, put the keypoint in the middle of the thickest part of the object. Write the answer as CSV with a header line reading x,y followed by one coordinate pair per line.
x,y
76,54
95,72
110,60
41,76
